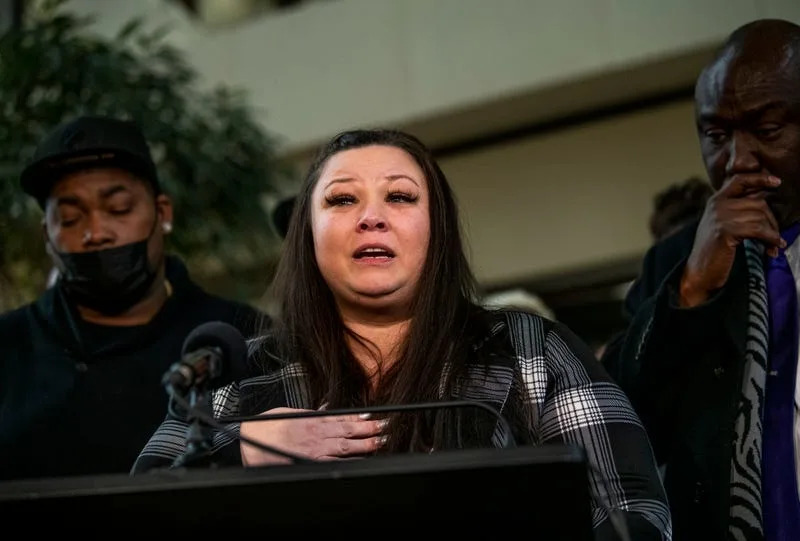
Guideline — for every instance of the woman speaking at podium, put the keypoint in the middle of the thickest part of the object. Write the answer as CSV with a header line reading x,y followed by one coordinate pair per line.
x,y
376,305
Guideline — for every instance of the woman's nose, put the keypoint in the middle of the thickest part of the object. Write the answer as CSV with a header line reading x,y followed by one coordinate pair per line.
x,y
371,222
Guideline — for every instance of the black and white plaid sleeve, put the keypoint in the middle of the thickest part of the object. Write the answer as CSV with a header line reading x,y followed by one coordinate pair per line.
x,y
575,401
169,440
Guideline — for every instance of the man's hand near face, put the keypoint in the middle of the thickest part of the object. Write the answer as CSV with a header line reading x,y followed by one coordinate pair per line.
x,y
737,211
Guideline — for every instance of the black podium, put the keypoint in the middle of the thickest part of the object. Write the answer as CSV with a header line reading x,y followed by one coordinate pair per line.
x,y
535,492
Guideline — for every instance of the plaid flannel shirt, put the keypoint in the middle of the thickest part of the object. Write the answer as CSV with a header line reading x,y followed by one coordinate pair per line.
x,y
551,378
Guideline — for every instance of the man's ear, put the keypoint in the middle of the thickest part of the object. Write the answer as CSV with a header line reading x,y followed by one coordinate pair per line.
x,y
48,244
164,210
46,237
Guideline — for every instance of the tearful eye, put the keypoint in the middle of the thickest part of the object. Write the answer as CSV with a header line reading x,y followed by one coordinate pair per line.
x,y
340,200
401,197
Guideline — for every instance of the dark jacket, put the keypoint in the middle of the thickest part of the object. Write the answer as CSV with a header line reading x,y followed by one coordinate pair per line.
x,y
81,399
682,369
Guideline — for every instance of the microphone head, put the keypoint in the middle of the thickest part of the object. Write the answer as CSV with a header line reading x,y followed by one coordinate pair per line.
x,y
222,335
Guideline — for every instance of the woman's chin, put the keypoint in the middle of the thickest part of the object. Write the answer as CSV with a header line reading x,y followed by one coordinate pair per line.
x,y
375,295
379,297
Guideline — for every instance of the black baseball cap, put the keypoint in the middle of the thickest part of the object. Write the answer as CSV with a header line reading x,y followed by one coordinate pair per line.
x,y
86,142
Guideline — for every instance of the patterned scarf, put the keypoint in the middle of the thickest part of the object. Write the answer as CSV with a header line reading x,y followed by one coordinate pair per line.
x,y
746,519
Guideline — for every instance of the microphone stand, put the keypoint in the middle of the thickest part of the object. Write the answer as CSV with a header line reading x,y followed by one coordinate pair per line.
x,y
199,435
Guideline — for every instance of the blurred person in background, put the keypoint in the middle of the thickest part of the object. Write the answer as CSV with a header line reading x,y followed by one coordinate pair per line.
x,y
678,205
518,299
281,214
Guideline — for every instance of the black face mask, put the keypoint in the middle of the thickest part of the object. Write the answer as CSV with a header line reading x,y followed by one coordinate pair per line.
x,y
109,281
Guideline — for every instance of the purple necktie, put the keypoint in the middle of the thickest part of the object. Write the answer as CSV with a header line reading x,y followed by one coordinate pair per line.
x,y
781,504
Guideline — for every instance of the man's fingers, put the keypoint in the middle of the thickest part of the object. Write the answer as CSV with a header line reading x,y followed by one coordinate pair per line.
x,y
773,222
756,204
755,226
744,185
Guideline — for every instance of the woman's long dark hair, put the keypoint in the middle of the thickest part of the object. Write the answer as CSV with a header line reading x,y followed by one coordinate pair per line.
x,y
309,329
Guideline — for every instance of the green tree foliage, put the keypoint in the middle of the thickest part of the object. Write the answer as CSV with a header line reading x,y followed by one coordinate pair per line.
x,y
215,160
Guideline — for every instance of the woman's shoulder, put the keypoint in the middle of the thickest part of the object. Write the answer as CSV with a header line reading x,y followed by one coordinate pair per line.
x,y
524,317
535,337
510,333
271,381
263,356
514,323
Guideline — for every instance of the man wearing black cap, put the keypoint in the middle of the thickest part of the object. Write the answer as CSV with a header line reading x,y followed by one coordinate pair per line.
x,y
80,376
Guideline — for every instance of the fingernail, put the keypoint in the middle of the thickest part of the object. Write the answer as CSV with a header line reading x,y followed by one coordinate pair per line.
x,y
364,415
775,180
783,243
383,423
383,439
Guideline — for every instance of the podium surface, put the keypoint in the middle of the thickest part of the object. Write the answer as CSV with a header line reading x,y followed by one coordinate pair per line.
x,y
481,493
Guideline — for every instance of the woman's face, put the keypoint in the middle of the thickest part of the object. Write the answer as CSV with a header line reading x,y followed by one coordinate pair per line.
x,y
371,227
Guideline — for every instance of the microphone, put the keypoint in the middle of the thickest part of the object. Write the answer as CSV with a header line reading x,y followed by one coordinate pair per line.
x,y
208,353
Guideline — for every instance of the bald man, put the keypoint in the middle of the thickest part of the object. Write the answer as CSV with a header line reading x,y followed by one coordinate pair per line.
x,y
710,355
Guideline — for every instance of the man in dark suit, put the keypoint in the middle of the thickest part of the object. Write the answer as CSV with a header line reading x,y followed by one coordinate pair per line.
x,y
697,358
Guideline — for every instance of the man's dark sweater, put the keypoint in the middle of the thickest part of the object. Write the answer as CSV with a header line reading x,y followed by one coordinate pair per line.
x,y
83,399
